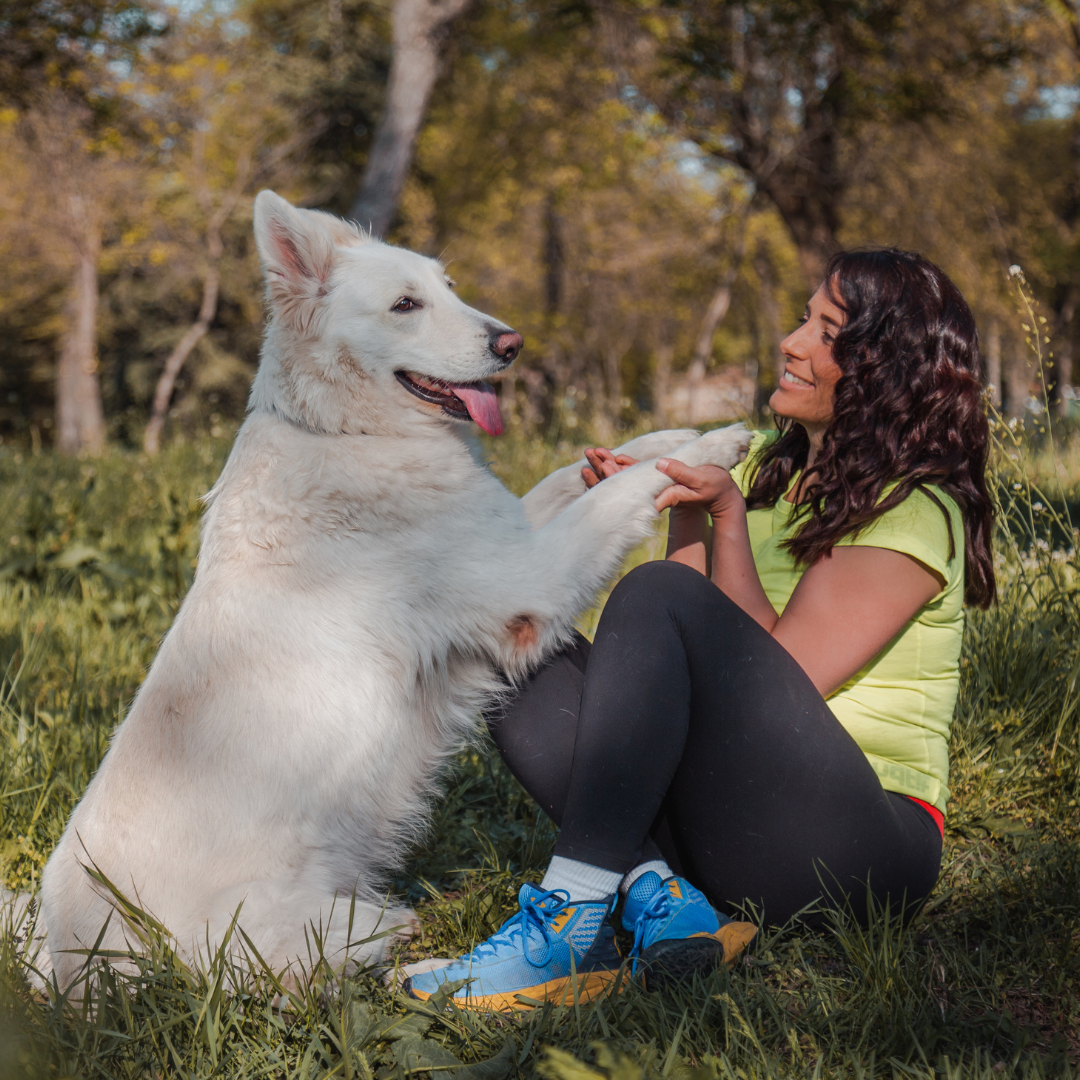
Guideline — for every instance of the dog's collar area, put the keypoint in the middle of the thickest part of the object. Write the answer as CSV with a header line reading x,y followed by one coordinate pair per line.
x,y
430,391
275,410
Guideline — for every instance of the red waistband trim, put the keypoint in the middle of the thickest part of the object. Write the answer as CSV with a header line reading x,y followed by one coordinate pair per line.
x,y
933,811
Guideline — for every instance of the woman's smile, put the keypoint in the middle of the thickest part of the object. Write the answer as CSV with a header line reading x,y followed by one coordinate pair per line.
x,y
794,380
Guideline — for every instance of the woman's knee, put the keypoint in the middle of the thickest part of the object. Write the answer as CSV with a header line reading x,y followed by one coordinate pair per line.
x,y
657,581
655,588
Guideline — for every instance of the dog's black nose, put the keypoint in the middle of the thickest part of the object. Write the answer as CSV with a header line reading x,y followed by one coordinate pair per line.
x,y
507,346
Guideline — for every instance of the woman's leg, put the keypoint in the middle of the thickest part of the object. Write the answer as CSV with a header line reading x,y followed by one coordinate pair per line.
x,y
535,729
695,723
535,726
691,721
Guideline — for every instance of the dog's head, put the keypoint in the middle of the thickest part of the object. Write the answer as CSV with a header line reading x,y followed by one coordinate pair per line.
x,y
364,336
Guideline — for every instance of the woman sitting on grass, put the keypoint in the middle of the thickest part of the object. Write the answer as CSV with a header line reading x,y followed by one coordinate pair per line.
x,y
764,717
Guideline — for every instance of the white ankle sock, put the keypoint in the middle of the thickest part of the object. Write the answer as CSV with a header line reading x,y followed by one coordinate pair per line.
x,y
658,865
581,880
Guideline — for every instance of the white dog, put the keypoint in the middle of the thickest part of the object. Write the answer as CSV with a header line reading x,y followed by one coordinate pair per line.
x,y
362,579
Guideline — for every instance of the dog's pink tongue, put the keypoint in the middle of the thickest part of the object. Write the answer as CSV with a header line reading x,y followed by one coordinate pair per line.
x,y
482,404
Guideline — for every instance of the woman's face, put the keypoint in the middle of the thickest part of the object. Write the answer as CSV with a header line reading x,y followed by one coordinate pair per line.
x,y
805,393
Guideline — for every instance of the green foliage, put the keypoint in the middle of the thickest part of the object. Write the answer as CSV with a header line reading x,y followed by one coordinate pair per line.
x,y
594,173
984,982
194,109
56,43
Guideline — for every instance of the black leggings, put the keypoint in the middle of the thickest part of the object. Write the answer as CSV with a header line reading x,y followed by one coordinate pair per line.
x,y
685,732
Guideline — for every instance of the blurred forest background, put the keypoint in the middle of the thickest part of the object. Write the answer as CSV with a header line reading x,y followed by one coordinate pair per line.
x,y
647,189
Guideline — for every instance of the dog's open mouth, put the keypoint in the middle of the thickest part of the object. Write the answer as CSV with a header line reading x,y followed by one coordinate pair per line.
x,y
459,400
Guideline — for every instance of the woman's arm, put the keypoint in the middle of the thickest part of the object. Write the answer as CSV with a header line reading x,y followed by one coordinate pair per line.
x,y
733,569
848,607
845,609
688,538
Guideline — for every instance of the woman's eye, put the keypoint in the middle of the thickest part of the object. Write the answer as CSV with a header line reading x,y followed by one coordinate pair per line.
x,y
405,304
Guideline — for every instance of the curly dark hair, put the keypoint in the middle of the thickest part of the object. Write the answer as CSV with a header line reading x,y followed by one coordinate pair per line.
x,y
908,408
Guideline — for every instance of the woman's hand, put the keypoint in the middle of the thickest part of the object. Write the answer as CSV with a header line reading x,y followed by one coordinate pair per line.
x,y
708,488
604,463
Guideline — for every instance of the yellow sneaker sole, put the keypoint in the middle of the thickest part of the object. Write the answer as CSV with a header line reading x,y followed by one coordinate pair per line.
x,y
564,991
733,938
674,960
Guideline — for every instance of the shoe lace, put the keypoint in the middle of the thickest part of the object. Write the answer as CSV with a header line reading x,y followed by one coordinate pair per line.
x,y
657,908
534,913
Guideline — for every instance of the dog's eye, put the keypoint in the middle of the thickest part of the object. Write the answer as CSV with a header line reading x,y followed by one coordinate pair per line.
x,y
451,282
406,304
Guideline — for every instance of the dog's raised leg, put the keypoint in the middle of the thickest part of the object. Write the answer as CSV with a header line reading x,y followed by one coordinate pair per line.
x,y
556,492
578,550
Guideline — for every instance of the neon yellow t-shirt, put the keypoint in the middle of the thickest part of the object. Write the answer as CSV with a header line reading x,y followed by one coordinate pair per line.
x,y
899,707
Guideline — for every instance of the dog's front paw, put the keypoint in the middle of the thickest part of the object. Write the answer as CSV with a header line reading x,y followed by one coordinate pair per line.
x,y
406,925
657,443
725,447
397,975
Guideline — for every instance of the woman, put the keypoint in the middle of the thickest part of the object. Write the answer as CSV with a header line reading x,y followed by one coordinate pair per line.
x,y
763,718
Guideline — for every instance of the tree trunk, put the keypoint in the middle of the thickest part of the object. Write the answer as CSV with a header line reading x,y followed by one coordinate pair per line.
x,y
1018,380
714,316
215,248
813,259
554,260
80,418
337,37
539,394
507,387
603,430
770,310
1061,366
807,191
1064,374
815,239
554,371
695,376
661,383
993,363
613,358
419,28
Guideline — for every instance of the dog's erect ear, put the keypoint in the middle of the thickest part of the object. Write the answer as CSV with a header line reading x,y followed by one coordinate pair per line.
x,y
297,252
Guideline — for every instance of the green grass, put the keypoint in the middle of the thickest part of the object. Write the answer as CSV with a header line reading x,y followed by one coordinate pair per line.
x,y
94,560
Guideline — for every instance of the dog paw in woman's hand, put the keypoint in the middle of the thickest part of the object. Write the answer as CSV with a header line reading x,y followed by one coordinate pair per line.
x,y
724,447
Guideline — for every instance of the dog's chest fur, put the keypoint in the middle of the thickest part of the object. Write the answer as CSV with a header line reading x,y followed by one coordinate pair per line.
x,y
317,650
375,547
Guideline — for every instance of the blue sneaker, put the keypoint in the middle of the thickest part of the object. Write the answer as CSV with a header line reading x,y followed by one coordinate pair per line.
x,y
551,950
676,930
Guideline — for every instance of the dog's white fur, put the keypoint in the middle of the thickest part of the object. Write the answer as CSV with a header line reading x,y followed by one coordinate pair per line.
x,y
362,578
